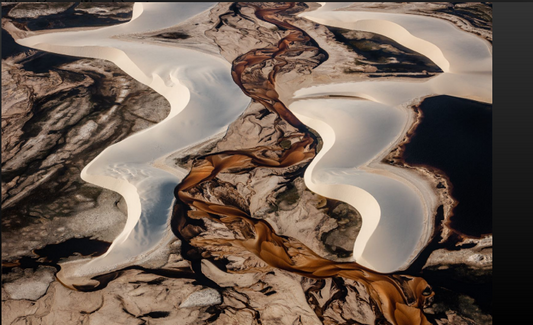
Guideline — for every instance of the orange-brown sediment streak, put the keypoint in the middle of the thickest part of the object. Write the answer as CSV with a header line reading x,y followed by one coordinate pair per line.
x,y
400,298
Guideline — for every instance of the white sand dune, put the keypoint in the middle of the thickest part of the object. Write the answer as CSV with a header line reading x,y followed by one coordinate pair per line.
x,y
204,100
394,209
396,204
452,49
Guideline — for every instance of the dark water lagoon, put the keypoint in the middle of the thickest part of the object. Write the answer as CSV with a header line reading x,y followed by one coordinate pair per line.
x,y
52,254
455,136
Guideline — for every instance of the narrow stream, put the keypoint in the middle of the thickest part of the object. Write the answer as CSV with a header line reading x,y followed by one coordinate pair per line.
x,y
388,291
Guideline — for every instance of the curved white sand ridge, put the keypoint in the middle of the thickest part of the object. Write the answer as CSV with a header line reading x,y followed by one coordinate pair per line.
x,y
203,98
396,204
452,49
354,132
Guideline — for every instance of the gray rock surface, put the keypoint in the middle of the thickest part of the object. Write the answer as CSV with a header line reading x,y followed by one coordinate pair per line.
x,y
205,297
53,124
31,285
477,257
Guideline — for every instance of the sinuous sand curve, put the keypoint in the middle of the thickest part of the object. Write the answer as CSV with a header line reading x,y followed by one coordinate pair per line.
x,y
198,87
396,204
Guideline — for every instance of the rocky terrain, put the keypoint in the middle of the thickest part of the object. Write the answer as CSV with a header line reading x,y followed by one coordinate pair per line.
x,y
52,126
39,16
59,112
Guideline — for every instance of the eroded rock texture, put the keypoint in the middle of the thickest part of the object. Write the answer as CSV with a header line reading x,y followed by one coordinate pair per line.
x,y
378,54
210,195
60,112
54,123
38,16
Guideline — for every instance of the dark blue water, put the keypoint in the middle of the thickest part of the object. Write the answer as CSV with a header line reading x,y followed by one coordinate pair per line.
x,y
10,47
455,136
54,253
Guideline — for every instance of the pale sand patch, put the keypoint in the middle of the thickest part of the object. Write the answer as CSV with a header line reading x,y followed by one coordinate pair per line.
x,y
204,100
452,49
187,82
396,204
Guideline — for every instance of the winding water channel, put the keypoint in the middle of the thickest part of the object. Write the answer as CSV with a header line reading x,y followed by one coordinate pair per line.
x,y
393,294
396,213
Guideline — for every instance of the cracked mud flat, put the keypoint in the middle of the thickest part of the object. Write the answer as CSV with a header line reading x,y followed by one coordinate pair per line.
x,y
255,245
